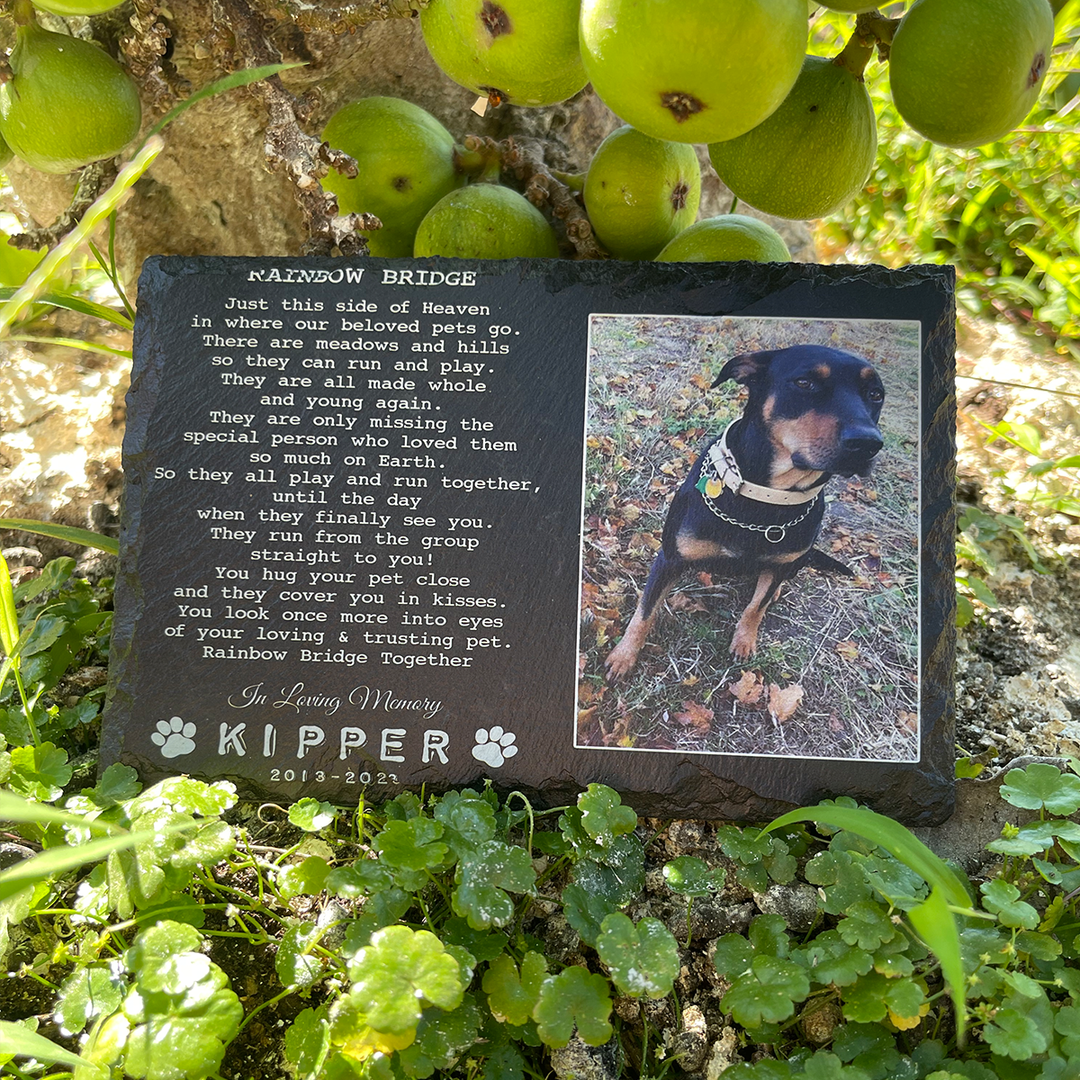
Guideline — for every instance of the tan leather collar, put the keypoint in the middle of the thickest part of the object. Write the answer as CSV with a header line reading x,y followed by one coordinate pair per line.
x,y
724,472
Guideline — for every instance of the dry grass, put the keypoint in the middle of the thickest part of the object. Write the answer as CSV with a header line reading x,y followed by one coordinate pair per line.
x,y
851,644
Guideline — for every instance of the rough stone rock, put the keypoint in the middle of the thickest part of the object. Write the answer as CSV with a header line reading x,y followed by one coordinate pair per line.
x,y
796,904
579,1061
690,1046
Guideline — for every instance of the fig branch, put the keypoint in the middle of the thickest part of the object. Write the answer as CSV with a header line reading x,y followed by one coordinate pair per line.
x,y
342,16
304,158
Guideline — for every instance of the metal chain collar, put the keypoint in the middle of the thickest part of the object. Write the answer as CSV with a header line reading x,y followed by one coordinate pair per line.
x,y
773,533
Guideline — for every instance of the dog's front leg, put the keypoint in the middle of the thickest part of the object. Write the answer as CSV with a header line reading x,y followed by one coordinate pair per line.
x,y
662,576
744,643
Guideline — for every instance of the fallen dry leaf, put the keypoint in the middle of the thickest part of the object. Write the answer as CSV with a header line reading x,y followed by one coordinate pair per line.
x,y
907,721
748,689
695,716
783,703
686,602
848,650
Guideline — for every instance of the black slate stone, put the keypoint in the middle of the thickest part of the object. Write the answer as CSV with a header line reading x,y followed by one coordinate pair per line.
x,y
175,708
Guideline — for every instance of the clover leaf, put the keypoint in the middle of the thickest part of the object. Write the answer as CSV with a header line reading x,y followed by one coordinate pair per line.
x,y
642,959
412,844
603,815
484,876
397,972
1042,787
470,819
1022,1028
307,1042
586,910
512,997
181,1014
767,993
573,997
1003,899
690,876
831,961
441,1038
867,925
294,963
311,815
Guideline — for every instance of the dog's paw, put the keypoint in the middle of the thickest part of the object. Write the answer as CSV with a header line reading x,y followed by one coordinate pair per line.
x,y
743,644
620,662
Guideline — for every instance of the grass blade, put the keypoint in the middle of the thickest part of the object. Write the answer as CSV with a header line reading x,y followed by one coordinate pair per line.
x,y
229,82
78,305
15,808
935,923
68,533
59,860
21,1041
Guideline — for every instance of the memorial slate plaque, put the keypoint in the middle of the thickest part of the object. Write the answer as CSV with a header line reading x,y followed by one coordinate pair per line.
x,y
386,522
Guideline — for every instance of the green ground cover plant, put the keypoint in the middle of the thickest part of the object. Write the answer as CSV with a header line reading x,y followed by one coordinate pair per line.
x,y
470,934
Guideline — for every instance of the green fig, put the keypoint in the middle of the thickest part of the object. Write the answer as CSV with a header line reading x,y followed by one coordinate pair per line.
x,y
77,7
813,154
966,72
521,51
485,221
727,238
406,165
641,192
852,6
16,264
693,70
68,103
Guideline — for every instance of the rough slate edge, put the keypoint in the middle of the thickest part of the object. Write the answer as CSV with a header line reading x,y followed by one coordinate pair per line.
x,y
920,794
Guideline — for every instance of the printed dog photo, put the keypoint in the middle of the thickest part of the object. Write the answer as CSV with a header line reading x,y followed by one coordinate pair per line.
x,y
751,536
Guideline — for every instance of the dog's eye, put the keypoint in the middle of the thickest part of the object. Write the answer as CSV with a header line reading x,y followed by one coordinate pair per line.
x,y
876,395
805,384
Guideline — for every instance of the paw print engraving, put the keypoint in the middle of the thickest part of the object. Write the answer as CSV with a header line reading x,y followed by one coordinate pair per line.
x,y
494,746
174,737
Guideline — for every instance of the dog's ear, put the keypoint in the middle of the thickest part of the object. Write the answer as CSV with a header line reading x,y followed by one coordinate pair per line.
x,y
745,368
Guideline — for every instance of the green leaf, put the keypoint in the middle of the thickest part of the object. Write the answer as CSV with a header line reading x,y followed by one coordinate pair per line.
x,y
39,772
412,844
1042,787
767,993
400,969
690,876
867,925
1021,1028
573,997
19,1041
946,888
311,815
181,1012
864,1002
732,955
441,1038
484,876
294,963
831,961
86,995
468,815
307,1042
843,880
642,959
482,944
585,911
56,861
304,878
900,842
1003,899
504,1062
69,533
617,873
513,996
602,814
768,935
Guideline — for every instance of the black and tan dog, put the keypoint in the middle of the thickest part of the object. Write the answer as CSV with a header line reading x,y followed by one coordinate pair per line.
x,y
753,502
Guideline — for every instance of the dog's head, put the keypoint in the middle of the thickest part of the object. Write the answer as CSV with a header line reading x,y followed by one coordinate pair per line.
x,y
817,406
